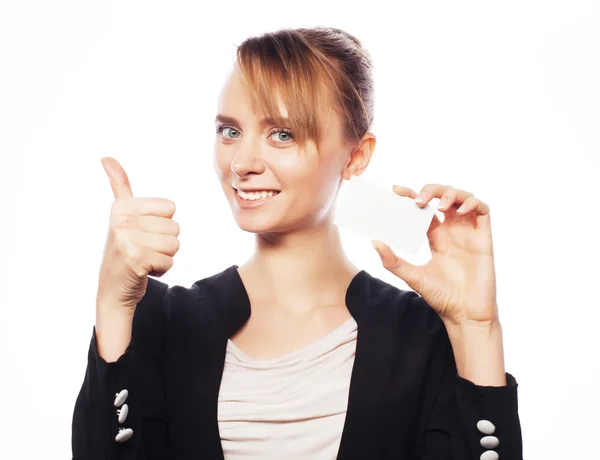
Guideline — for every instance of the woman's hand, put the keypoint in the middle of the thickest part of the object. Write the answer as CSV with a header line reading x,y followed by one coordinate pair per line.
x,y
459,281
142,240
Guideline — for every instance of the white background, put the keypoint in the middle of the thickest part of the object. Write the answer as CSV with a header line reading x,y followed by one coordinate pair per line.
x,y
499,99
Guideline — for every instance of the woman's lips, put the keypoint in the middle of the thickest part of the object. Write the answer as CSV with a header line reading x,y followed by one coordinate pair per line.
x,y
252,203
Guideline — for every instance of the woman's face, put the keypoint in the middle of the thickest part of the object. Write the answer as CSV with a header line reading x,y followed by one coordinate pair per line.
x,y
251,154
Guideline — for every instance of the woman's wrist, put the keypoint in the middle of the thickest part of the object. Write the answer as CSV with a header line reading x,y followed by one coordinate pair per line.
x,y
113,331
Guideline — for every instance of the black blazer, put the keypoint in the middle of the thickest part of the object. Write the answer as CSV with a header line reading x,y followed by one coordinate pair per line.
x,y
406,400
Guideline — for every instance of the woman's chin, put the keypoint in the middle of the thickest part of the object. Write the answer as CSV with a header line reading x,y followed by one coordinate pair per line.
x,y
255,224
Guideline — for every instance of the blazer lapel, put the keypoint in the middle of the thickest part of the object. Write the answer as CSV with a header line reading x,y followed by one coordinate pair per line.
x,y
366,412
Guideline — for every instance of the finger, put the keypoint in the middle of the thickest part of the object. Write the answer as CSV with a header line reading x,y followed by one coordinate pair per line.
x,y
161,225
161,207
119,182
449,196
404,191
430,191
164,244
411,274
158,263
472,204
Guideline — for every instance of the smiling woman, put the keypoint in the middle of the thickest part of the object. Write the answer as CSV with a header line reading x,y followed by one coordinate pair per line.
x,y
293,117
297,353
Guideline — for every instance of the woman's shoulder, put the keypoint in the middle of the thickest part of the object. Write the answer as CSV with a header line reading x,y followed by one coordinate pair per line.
x,y
214,301
404,308
207,288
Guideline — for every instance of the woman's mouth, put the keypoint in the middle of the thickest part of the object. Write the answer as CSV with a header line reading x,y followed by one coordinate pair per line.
x,y
254,198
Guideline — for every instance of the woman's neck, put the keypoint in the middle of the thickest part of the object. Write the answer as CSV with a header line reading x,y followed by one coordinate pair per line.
x,y
300,270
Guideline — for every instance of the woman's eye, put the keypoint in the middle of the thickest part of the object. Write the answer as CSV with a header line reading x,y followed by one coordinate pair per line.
x,y
233,133
285,136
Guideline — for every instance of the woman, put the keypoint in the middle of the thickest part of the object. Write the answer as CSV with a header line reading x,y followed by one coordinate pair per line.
x,y
297,353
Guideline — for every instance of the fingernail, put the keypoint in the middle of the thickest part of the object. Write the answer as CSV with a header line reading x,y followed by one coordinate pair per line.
x,y
441,205
420,197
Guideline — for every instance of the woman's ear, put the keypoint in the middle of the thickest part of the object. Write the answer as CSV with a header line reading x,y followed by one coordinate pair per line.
x,y
360,157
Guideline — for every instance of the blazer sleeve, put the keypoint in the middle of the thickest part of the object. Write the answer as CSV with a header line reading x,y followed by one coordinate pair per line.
x,y
465,421
139,371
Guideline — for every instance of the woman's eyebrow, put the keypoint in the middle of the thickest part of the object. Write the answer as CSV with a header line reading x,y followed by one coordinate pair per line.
x,y
231,120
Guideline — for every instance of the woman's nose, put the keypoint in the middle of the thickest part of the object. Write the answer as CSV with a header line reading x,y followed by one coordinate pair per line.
x,y
247,161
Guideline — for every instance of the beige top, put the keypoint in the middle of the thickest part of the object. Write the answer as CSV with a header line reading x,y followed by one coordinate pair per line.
x,y
293,407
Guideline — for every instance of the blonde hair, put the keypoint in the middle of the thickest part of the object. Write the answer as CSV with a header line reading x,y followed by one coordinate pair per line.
x,y
312,70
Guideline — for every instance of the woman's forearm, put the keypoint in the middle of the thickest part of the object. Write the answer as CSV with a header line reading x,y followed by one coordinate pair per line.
x,y
113,330
479,353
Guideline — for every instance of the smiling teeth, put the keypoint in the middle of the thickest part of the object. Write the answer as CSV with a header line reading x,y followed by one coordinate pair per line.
x,y
256,195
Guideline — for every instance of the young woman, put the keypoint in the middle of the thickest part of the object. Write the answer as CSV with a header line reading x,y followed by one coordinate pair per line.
x,y
297,353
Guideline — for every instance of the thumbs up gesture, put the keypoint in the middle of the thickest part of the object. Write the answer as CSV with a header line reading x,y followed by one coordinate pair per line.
x,y
141,241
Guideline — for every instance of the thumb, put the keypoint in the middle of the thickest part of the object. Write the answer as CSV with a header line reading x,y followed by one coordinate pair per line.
x,y
409,273
119,182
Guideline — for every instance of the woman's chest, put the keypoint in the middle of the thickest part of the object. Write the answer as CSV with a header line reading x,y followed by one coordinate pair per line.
x,y
273,332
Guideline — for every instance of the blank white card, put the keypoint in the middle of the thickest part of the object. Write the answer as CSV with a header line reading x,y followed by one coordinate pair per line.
x,y
380,214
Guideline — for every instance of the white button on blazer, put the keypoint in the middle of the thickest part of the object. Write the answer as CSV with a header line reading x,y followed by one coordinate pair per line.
x,y
121,397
